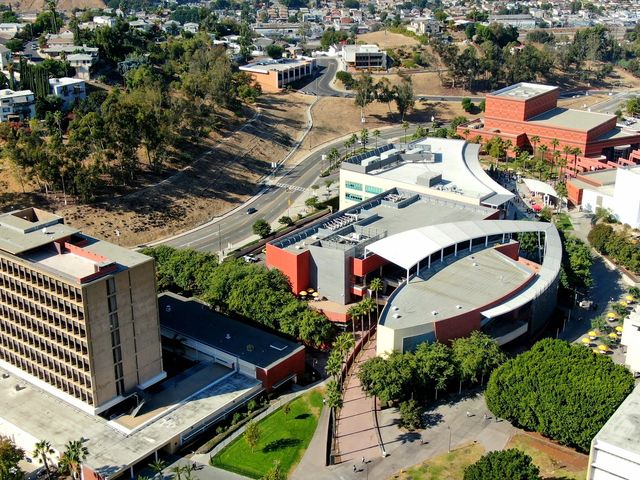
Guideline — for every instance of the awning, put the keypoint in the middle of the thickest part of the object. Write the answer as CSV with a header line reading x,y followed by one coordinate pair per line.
x,y
536,186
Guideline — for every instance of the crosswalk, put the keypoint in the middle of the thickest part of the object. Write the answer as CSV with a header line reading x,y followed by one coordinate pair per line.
x,y
289,187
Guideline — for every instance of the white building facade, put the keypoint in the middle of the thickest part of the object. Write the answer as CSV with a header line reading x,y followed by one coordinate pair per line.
x,y
70,90
17,105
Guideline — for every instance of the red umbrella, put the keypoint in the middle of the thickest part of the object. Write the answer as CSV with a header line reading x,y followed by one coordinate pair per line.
x,y
536,208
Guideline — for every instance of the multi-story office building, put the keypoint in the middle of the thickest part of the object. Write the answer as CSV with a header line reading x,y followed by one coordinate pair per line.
x,y
78,316
364,57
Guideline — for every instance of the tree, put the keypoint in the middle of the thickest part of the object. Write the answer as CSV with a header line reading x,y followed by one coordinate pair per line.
x,y
365,92
334,395
411,415
157,466
364,138
42,451
434,366
476,355
274,51
375,286
404,98
499,465
333,367
576,263
535,139
312,202
346,78
355,312
10,457
252,434
74,454
527,392
467,105
376,135
599,236
388,379
368,306
261,228
286,221
274,473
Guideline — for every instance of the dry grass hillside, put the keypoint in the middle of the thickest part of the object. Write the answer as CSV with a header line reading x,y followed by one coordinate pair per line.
x,y
63,5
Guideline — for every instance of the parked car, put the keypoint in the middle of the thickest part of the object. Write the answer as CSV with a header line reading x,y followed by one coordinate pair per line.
x,y
250,258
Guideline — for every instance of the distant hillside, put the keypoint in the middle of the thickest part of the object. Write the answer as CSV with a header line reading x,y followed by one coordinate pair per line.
x,y
63,5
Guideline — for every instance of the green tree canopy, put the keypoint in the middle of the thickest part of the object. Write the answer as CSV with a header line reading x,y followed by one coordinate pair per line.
x,y
512,464
476,356
528,392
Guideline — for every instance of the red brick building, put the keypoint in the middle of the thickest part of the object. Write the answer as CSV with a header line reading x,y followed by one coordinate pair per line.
x,y
521,112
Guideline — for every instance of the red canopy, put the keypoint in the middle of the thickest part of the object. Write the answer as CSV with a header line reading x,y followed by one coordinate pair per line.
x,y
536,208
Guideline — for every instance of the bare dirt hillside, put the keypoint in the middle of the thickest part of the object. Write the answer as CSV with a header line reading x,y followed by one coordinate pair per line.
x,y
63,5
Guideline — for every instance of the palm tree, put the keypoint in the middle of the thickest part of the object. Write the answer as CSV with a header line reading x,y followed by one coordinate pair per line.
x,y
554,143
566,150
543,150
364,138
333,367
74,454
344,342
177,472
535,139
376,135
158,466
42,450
355,312
376,286
367,306
562,163
575,151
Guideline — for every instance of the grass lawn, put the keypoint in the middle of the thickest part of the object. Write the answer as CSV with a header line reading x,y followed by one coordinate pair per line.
x,y
283,437
448,466
563,222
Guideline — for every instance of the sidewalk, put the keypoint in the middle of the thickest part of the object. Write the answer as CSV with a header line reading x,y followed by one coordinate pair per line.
x,y
356,431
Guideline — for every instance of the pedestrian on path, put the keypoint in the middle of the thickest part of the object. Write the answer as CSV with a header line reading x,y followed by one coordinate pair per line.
x,y
468,413
355,469
363,460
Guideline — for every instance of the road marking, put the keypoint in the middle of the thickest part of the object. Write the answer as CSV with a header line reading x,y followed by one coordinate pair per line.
x,y
290,187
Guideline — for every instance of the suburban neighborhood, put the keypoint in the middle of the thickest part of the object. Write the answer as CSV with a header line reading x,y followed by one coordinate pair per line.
x,y
319,240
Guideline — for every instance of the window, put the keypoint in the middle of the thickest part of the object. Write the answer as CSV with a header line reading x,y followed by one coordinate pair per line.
x,y
111,286
370,189
113,304
353,186
355,198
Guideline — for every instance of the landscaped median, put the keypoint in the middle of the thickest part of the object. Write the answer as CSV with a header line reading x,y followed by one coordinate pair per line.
x,y
283,438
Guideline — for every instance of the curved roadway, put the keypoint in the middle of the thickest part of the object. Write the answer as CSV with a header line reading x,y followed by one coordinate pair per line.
x,y
270,204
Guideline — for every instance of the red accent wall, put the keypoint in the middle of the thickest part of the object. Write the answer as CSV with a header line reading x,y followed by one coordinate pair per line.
x,y
338,317
462,325
89,474
511,250
361,267
294,265
494,216
518,109
280,371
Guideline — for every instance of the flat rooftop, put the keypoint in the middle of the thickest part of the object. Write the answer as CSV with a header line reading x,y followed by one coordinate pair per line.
x,y
379,217
274,65
67,263
23,230
459,285
193,319
570,119
523,91
622,430
111,450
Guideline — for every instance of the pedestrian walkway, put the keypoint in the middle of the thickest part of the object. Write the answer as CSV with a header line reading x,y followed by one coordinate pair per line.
x,y
356,431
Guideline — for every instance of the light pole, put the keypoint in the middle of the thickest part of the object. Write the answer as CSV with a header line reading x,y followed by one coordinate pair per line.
x,y
449,428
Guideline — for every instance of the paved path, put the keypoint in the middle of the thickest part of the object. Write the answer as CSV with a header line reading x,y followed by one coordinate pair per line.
x,y
356,433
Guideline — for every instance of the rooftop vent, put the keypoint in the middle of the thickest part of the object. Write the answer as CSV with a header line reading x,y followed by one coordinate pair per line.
x,y
396,308
434,312
475,264
396,315
459,307
227,336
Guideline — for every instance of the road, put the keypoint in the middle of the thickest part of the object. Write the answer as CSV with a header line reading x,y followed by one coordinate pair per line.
x,y
321,84
271,204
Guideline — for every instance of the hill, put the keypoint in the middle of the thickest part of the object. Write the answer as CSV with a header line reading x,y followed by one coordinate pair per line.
x,y
63,5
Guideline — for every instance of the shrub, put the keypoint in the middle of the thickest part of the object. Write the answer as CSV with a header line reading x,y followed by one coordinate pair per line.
x,y
262,228
411,415
500,465
526,391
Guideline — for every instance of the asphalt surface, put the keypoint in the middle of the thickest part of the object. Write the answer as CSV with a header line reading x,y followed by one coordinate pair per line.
x,y
271,204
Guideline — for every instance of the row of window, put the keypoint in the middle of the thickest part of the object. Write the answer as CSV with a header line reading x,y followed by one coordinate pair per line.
x,y
367,188
351,196
54,302
47,376
59,368
118,369
38,311
38,279
48,334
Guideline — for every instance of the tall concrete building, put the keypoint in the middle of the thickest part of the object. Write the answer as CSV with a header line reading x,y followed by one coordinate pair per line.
x,y
78,316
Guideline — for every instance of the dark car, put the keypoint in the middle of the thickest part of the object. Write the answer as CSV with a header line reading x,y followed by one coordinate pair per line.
x,y
251,210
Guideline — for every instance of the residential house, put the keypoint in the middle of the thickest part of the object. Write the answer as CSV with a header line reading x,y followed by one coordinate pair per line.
x,y
70,90
82,62
17,105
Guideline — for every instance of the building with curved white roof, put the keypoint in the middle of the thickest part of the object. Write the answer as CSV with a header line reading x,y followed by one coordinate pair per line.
x,y
467,276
